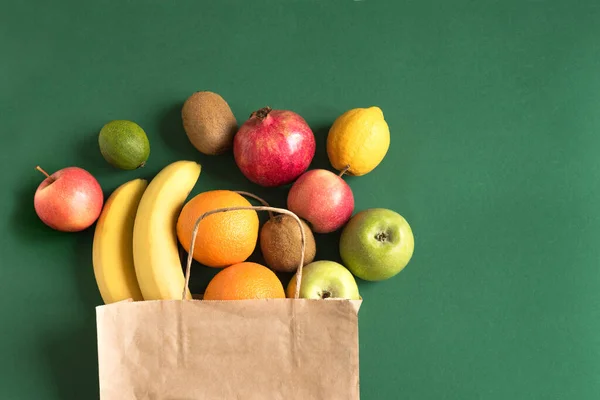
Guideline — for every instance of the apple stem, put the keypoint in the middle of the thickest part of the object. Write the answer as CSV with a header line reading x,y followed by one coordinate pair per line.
x,y
255,197
45,173
342,172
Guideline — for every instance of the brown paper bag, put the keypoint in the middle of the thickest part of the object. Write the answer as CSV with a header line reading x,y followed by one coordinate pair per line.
x,y
264,349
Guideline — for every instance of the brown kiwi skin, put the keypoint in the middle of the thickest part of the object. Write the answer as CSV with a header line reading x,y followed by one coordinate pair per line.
x,y
280,243
209,122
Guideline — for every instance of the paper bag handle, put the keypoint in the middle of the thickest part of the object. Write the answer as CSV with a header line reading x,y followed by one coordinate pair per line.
x,y
190,258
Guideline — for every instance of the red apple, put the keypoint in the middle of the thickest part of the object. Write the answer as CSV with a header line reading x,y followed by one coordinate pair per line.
x,y
69,200
323,199
274,147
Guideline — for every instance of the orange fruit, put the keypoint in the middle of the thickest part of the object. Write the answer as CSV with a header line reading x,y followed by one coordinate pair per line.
x,y
224,238
242,281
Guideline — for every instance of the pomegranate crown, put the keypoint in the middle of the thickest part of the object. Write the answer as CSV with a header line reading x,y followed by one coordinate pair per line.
x,y
262,113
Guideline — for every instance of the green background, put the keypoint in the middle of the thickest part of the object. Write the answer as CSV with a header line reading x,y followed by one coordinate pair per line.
x,y
494,110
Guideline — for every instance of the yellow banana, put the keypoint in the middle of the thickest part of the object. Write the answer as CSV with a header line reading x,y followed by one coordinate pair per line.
x,y
112,253
155,245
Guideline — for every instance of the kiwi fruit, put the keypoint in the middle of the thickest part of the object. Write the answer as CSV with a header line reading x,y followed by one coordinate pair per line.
x,y
209,122
281,243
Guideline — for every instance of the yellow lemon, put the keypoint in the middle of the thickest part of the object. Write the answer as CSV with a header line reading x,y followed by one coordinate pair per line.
x,y
358,140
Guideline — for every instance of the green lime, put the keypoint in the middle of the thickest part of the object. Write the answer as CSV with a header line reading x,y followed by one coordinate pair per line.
x,y
124,144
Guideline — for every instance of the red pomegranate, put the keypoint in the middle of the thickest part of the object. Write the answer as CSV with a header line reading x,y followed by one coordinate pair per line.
x,y
274,147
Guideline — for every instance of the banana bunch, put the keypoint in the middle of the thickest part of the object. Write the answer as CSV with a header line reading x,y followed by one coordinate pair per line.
x,y
135,248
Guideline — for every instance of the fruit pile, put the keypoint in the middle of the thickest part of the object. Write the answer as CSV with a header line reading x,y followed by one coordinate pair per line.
x,y
142,224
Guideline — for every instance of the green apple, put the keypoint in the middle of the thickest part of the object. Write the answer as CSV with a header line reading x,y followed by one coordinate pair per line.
x,y
325,279
376,244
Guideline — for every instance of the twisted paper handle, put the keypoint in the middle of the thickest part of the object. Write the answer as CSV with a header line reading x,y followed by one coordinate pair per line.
x,y
190,258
